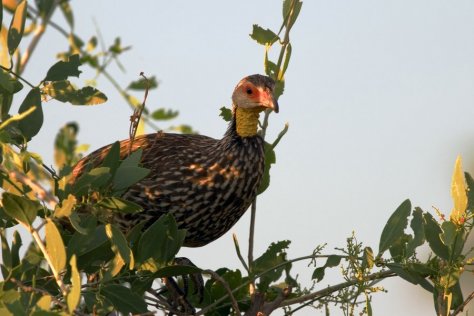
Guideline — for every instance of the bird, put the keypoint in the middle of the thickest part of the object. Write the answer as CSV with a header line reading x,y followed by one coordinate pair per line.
x,y
207,184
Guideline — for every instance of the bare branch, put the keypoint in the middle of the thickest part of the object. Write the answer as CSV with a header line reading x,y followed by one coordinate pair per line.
x,y
226,286
461,307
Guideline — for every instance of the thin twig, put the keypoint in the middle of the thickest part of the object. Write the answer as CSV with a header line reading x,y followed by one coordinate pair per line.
x,y
226,286
38,189
37,37
136,116
253,214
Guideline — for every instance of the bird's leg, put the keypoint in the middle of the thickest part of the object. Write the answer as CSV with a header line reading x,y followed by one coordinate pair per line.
x,y
177,298
196,279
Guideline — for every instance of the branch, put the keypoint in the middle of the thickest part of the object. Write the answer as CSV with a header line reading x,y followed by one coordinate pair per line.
x,y
331,289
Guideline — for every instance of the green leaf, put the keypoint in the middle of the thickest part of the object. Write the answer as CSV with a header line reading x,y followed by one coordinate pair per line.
x,y
96,179
449,233
6,254
273,256
120,205
176,270
470,191
263,36
332,261
226,114
394,229
64,69
161,241
128,173
142,84
15,250
17,27
64,91
164,114
410,276
419,231
81,245
270,158
287,6
124,300
433,236
287,59
55,246
112,159
74,295
20,208
119,244
6,83
31,124
318,274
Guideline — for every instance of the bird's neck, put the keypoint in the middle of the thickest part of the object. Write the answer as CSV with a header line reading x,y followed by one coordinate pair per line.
x,y
246,121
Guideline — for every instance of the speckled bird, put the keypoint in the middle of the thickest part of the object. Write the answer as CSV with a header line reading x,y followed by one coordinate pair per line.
x,y
207,184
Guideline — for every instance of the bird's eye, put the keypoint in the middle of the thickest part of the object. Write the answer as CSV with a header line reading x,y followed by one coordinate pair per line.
x,y
249,91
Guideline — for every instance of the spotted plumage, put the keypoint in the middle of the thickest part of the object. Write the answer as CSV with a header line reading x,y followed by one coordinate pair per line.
x,y
206,184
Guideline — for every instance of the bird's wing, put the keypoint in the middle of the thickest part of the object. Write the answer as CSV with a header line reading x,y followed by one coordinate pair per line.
x,y
160,152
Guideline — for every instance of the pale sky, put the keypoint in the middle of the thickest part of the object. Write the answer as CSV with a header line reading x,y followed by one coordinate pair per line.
x,y
379,98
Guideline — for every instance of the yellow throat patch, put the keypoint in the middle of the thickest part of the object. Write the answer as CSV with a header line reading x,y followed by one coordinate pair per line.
x,y
247,121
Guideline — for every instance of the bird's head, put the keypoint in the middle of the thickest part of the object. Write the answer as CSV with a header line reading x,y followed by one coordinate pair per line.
x,y
252,95
255,92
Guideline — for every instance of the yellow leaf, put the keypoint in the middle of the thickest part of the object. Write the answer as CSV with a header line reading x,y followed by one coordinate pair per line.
x,y
55,246
458,193
66,207
74,295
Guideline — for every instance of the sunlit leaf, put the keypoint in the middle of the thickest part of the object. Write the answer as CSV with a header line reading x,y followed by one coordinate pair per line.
x,y
395,226
64,69
458,193
55,246
17,27
66,207
64,91
119,244
74,295
31,124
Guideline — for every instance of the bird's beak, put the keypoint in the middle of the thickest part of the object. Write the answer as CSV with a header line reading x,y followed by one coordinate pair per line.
x,y
270,102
